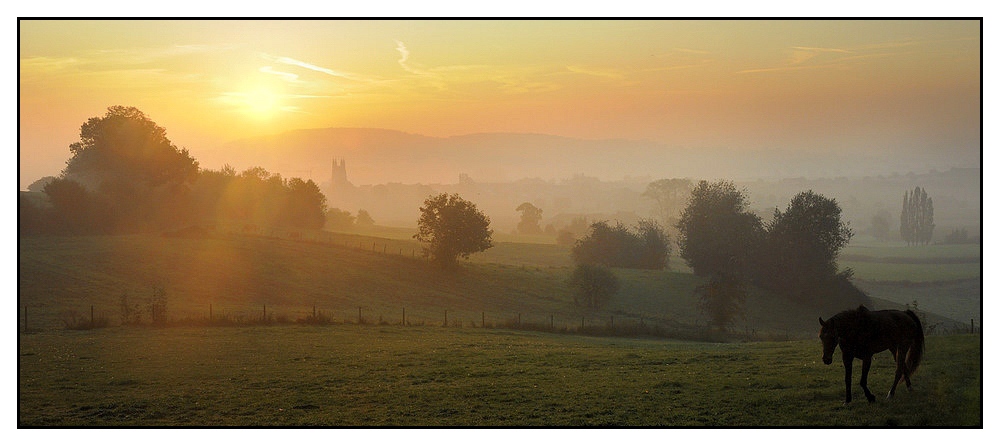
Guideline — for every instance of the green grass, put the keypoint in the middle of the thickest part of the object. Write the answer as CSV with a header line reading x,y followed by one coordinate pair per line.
x,y
349,375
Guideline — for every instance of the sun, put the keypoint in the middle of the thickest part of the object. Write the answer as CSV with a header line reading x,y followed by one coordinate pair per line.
x,y
261,102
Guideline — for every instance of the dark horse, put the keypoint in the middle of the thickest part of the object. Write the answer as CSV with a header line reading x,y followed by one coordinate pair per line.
x,y
862,333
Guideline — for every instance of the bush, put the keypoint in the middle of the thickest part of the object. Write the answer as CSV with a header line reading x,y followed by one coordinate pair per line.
x,y
646,246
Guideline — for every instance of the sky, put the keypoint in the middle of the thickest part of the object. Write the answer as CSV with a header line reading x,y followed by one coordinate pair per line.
x,y
811,86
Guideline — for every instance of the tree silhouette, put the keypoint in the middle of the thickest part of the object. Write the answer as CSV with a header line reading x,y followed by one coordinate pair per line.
x,y
717,234
530,218
592,285
916,220
453,227
800,249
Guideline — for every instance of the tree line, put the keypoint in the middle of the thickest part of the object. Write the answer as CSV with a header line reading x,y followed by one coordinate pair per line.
x,y
126,176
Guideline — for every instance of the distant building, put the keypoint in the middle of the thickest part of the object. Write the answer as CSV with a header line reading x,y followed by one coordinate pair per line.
x,y
338,176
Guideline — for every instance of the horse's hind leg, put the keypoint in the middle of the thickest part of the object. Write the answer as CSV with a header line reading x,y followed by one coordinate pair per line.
x,y
901,371
866,364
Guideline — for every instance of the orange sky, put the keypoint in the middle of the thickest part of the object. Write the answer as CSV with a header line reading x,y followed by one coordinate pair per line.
x,y
802,85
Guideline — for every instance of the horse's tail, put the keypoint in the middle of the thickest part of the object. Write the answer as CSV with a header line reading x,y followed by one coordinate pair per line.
x,y
917,349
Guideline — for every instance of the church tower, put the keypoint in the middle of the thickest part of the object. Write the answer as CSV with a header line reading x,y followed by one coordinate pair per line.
x,y
339,173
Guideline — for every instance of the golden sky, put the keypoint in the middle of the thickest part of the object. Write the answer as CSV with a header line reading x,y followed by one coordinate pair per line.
x,y
802,85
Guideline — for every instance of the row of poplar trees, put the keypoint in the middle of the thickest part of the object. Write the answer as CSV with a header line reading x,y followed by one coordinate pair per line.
x,y
916,221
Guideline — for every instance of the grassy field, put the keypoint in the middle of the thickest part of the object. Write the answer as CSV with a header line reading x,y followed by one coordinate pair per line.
x,y
426,372
349,375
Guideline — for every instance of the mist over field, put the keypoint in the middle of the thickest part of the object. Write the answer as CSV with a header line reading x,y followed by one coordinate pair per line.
x,y
500,223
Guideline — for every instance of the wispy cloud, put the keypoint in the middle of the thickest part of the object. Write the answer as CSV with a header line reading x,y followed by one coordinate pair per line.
x,y
298,63
598,72
812,58
404,57
290,77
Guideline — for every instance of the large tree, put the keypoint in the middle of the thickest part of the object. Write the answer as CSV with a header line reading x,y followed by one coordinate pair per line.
x,y
452,227
125,145
717,233
799,254
128,161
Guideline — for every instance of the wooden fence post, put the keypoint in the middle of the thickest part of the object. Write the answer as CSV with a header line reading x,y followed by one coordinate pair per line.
x,y
484,320
359,315
445,318
404,316
210,312
551,322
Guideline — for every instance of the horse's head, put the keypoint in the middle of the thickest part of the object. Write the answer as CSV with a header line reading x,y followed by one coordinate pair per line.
x,y
828,334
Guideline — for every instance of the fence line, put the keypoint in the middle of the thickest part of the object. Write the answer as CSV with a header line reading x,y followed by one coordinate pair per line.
x,y
260,314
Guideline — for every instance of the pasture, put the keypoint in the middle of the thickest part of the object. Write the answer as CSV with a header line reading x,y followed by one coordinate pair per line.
x,y
351,375
454,362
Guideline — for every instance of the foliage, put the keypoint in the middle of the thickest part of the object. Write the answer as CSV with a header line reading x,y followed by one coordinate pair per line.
x,y
530,217
256,196
339,220
126,145
75,209
644,247
881,225
958,237
593,285
126,176
916,220
39,184
452,227
798,256
670,195
717,234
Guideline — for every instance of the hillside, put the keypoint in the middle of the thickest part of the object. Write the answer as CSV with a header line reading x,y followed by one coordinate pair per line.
x,y
239,278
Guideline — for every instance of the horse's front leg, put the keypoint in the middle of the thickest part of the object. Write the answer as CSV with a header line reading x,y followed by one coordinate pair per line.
x,y
848,360
866,363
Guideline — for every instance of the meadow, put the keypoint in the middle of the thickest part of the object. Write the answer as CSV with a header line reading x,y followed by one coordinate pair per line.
x,y
239,348
356,375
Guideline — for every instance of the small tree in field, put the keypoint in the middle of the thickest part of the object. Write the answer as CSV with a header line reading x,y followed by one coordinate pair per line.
x,y
592,285
452,227
721,299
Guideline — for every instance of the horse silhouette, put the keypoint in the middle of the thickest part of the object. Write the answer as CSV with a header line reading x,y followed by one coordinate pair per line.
x,y
861,333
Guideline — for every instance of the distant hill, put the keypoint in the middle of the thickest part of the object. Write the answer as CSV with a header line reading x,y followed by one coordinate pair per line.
x,y
377,156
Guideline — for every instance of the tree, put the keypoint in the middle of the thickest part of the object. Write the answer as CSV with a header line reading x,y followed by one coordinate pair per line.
x,y
717,234
306,205
339,220
881,225
530,218
721,299
592,285
645,247
452,227
916,220
126,145
800,249
127,159
76,210
40,183
669,195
